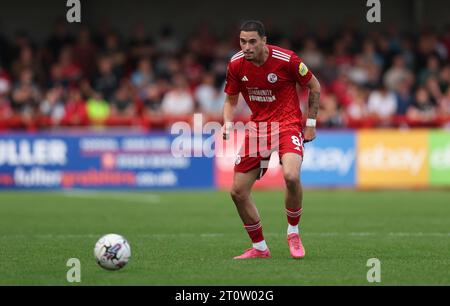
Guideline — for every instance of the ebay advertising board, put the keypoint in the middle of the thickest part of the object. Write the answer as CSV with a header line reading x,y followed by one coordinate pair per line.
x,y
392,158
439,158
329,161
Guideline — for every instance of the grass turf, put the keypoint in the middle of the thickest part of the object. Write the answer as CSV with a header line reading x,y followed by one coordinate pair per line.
x,y
190,238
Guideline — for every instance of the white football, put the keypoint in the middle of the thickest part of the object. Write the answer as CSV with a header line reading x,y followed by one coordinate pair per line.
x,y
112,252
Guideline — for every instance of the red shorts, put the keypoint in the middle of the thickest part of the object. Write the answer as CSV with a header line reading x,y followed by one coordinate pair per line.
x,y
256,151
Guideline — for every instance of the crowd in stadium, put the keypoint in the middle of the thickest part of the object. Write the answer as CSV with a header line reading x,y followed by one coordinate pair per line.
x,y
100,77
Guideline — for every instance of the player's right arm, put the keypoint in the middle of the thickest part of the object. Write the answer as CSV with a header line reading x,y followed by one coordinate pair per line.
x,y
228,114
232,89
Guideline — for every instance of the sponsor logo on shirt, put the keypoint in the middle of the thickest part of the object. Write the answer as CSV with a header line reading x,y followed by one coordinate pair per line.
x,y
261,95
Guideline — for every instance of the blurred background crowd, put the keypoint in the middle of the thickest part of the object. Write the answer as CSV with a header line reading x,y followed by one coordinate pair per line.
x,y
96,76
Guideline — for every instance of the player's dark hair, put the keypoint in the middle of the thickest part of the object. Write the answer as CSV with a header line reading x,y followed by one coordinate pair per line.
x,y
254,26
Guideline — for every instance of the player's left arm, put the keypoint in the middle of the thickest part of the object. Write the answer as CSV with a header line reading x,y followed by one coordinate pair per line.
x,y
306,78
313,108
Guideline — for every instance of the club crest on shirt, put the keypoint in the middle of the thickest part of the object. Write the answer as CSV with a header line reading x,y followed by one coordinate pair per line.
x,y
302,69
272,78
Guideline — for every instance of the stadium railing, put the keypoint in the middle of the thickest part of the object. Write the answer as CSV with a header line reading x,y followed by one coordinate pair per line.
x,y
165,122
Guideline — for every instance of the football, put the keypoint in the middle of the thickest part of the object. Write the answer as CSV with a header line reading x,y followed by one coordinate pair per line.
x,y
112,252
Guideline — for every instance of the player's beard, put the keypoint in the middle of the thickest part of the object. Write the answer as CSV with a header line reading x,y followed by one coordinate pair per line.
x,y
252,56
249,56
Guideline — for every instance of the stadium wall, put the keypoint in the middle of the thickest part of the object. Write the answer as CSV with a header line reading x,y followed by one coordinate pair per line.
x,y
336,159
38,17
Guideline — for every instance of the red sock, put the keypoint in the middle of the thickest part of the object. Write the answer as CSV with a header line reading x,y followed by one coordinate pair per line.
x,y
293,216
255,232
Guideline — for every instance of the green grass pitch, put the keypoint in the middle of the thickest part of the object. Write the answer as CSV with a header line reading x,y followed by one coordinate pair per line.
x,y
190,238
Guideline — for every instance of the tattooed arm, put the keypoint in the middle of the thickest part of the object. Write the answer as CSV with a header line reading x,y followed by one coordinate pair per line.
x,y
313,109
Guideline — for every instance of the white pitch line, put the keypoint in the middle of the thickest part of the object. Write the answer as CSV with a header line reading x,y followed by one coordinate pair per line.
x,y
216,235
365,234
419,234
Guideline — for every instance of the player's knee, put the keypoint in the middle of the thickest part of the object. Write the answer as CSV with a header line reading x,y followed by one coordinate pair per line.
x,y
239,195
292,179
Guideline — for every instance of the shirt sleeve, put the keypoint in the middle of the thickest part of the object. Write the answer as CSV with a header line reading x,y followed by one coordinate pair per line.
x,y
232,82
299,70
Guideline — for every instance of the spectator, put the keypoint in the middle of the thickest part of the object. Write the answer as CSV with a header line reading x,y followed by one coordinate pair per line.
x,y
404,97
122,104
358,73
397,73
408,53
6,111
439,48
97,109
27,60
330,114
444,78
219,64
192,69
382,104
423,109
25,97
20,40
331,73
114,51
52,107
341,54
151,100
5,80
75,112
208,96
106,82
432,69
167,66
144,75
312,55
357,109
340,88
385,51
433,88
70,71
370,56
394,37
167,42
178,101
444,104
373,76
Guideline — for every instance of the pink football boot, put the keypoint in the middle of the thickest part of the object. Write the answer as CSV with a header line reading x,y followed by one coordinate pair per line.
x,y
296,246
254,253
